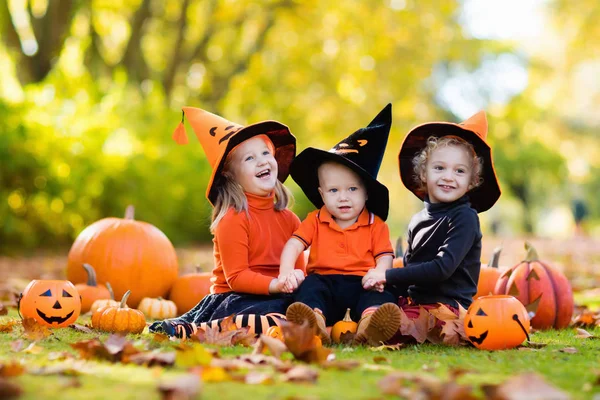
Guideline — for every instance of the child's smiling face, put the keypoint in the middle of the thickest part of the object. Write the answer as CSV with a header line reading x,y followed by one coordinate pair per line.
x,y
448,174
343,193
254,167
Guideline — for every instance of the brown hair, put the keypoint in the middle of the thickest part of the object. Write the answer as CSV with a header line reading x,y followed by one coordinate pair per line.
x,y
433,143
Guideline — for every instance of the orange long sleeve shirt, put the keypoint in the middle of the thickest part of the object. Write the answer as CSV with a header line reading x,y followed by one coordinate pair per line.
x,y
247,247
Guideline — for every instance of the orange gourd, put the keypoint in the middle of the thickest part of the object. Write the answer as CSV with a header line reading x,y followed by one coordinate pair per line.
x,y
343,326
119,319
489,275
91,291
496,322
399,254
127,253
105,302
541,288
189,289
158,308
52,303
275,332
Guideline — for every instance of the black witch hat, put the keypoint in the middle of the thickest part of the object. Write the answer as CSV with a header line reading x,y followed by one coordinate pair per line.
x,y
362,152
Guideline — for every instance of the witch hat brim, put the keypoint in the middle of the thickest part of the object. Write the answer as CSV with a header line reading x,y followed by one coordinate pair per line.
x,y
304,171
285,151
362,152
483,197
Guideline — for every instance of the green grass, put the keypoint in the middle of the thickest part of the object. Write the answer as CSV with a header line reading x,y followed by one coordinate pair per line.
x,y
104,380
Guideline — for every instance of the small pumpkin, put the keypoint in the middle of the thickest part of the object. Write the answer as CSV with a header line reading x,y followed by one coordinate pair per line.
x,y
127,253
158,308
189,289
399,256
119,319
343,326
541,288
275,332
496,322
52,303
91,291
488,275
105,302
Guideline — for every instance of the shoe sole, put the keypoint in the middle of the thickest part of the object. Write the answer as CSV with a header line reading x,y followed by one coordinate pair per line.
x,y
384,323
300,312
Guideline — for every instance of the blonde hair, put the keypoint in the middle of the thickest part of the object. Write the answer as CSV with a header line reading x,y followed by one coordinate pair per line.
x,y
230,194
434,143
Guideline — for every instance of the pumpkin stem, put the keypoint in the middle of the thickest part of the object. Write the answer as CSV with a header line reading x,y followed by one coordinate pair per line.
x,y
124,299
91,273
198,269
494,261
130,212
110,290
347,316
532,254
399,251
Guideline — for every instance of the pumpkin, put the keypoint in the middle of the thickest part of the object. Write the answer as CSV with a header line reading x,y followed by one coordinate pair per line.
x,y
488,275
189,289
344,326
127,253
399,256
105,302
542,289
496,322
158,308
52,303
275,332
91,291
121,319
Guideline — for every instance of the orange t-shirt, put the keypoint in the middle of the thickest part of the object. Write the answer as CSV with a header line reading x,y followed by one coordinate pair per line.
x,y
350,251
247,247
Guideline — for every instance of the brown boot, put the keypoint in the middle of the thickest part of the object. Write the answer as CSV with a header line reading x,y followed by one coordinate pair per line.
x,y
299,312
379,326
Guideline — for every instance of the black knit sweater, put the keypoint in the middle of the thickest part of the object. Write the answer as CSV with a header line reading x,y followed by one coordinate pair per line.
x,y
442,261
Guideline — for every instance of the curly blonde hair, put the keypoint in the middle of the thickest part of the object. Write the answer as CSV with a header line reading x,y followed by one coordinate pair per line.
x,y
434,143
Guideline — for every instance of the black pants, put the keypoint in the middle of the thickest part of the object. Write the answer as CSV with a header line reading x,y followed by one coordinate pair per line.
x,y
333,294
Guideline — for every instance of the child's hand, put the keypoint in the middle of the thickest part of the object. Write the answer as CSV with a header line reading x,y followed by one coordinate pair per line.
x,y
277,285
299,276
291,281
374,279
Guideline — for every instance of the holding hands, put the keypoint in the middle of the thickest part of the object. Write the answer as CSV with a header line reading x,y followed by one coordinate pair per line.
x,y
374,279
291,281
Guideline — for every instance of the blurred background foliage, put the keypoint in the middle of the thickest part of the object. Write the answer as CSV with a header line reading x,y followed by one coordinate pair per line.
x,y
90,93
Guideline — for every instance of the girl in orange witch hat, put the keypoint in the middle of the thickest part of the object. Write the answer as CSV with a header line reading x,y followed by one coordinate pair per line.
x,y
250,221
448,166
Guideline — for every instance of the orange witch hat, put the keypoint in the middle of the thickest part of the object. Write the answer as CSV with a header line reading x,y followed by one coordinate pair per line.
x,y
219,137
474,130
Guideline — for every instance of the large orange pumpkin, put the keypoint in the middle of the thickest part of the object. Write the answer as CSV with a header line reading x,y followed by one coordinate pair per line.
x,y
51,303
127,253
91,291
189,289
496,322
489,275
541,288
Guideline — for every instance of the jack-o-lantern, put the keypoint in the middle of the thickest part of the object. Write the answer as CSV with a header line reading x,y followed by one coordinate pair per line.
x,y
496,322
52,303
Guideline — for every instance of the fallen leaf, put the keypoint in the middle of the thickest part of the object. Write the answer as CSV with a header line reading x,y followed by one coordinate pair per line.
x,y
347,337
377,367
301,373
381,360
583,334
390,347
34,331
530,386
423,324
159,337
153,358
59,355
8,325
192,356
9,389
569,350
182,387
443,313
14,368
81,328
341,365
211,374
258,378
116,348
17,345
66,382
33,349
535,345
244,337
275,346
217,337
300,341
3,309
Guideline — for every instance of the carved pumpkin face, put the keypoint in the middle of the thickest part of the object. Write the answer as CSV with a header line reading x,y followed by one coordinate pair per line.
x,y
51,303
496,322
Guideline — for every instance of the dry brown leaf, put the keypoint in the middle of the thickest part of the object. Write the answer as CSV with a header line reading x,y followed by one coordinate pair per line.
x,y
443,313
586,318
159,337
115,349
218,338
423,324
535,345
583,334
9,390
300,341
342,365
153,358
3,309
8,325
258,378
390,347
66,382
34,331
275,346
13,368
182,387
212,374
347,337
528,386
59,355
243,337
301,373
453,333
17,345
569,350
81,328
228,324
381,360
